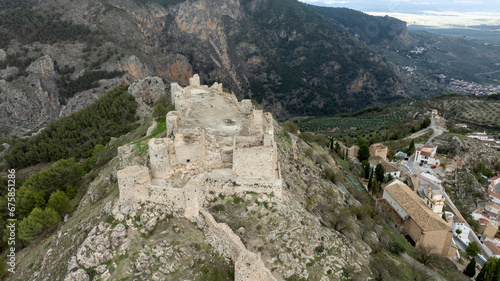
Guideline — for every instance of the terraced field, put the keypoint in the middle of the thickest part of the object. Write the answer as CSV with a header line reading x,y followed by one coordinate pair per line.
x,y
367,119
467,109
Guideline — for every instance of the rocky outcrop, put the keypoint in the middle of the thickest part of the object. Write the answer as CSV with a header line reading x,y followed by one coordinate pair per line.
x,y
146,92
99,245
29,102
136,68
472,152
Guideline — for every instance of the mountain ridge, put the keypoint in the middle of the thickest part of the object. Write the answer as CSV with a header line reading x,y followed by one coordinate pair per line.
x,y
280,53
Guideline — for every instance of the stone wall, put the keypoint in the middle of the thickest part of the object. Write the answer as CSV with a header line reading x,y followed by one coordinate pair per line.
x,y
190,147
246,106
353,153
172,122
255,156
159,157
177,92
133,183
248,265
255,161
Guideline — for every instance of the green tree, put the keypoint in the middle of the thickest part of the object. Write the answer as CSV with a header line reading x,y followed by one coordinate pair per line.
x,y
425,123
370,182
3,268
159,111
29,198
337,147
379,173
50,218
364,152
291,127
29,228
60,203
472,249
411,147
490,270
366,169
470,270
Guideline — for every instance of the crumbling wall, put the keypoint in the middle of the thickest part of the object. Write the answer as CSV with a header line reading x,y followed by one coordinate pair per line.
x,y
169,196
227,155
190,147
193,201
176,92
378,149
240,185
248,266
353,153
255,161
172,122
246,106
217,87
159,157
194,81
255,156
133,183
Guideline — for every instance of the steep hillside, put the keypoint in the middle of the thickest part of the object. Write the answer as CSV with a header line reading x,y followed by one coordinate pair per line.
x,y
317,223
280,52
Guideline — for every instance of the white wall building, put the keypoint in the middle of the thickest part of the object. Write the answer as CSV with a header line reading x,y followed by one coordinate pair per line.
x,y
425,155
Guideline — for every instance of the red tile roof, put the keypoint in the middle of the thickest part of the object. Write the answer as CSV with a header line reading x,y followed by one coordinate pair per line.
x,y
493,247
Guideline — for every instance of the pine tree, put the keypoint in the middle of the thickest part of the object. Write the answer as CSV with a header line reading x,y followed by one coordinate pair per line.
x,y
490,270
29,228
50,218
60,203
29,198
470,270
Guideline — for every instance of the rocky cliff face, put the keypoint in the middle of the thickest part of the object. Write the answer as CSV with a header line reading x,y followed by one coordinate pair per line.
x,y
472,152
281,53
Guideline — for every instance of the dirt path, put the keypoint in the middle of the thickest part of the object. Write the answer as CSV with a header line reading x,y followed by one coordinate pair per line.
x,y
439,127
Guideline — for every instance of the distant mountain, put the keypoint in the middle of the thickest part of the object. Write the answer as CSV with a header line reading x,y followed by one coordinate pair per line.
x,y
370,29
282,53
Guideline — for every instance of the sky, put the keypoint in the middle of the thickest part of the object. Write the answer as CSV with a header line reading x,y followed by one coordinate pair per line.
x,y
426,12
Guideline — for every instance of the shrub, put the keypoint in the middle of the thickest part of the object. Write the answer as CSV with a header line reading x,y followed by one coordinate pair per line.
x,y
219,208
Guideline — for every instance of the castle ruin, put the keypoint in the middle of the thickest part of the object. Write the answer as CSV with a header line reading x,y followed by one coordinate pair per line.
x,y
214,145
